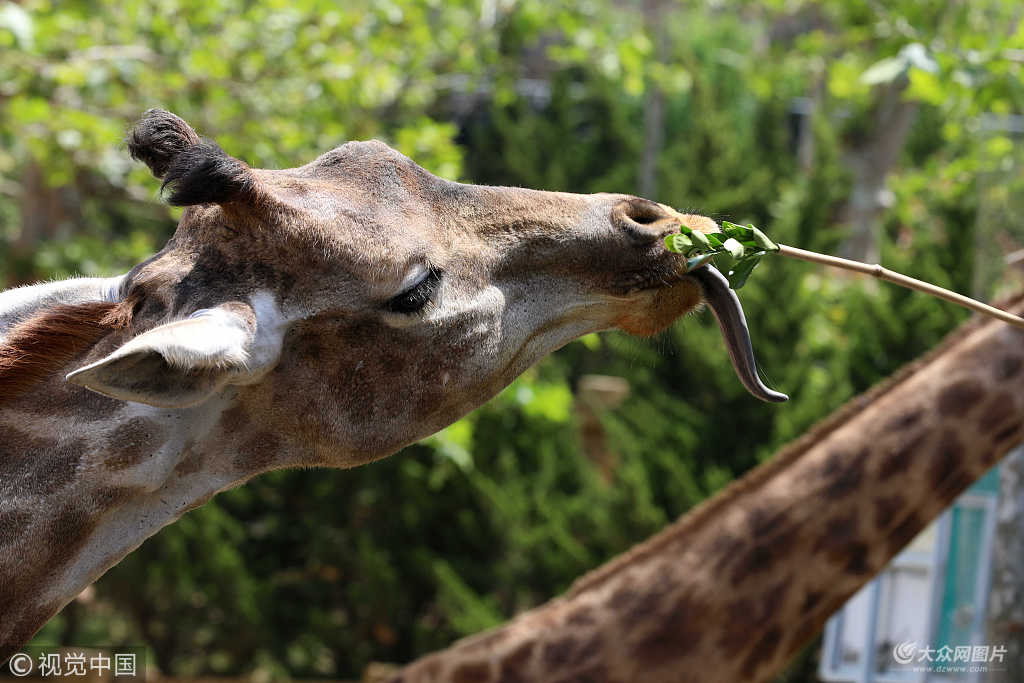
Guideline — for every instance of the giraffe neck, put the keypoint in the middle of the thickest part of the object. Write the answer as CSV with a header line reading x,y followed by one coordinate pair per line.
x,y
84,479
734,589
78,494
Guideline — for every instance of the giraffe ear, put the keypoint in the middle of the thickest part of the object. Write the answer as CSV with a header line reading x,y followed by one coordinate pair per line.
x,y
183,363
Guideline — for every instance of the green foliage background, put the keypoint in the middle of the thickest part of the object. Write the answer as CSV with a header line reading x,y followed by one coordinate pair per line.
x,y
315,574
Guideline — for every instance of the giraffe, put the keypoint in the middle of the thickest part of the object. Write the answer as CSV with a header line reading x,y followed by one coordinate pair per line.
x,y
736,587
326,315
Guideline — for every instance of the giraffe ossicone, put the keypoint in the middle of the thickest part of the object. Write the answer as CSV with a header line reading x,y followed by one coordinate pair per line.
x,y
326,315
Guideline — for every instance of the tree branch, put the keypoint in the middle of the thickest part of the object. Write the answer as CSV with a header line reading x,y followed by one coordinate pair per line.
x,y
875,270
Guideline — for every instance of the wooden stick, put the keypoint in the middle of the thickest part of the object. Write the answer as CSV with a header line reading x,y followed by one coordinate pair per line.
x,y
902,280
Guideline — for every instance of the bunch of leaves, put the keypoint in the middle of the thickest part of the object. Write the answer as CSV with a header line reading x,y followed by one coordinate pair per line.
x,y
736,251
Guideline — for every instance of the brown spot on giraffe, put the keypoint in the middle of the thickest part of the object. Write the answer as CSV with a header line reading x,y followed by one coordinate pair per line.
x,y
757,613
394,362
753,559
840,534
768,530
886,508
843,472
638,603
810,601
859,561
235,419
57,398
557,654
512,667
582,616
190,461
904,532
766,523
775,599
722,551
1007,367
24,628
763,650
998,409
13,524
589,650
1008,435
109,497
905,420
898,460
947,473
258,452
960,397
472,672
135,440
13,444
671,634
37,467
68,534
354,384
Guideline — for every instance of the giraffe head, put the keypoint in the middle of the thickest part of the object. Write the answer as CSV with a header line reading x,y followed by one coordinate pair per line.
x,y
360,303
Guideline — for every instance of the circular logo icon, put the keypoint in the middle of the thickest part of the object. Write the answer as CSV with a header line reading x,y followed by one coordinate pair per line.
x,y
904,653
20,664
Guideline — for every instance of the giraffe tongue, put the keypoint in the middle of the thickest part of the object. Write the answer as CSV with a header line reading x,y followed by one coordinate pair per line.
x,y
724,303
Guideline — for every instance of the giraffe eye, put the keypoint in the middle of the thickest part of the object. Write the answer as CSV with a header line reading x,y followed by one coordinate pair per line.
x,y
419,295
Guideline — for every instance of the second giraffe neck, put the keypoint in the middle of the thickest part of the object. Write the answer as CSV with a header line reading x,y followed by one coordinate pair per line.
x,y
739,585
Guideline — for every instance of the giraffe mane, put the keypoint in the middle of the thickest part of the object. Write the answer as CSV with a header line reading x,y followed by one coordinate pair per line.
x,y
47,341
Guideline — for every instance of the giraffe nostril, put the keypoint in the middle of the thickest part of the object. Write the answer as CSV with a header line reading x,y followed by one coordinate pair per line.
x,y
642,220
645,214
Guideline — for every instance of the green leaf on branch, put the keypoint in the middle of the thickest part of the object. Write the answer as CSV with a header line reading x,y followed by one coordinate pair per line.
x,y
724,261
715,241
762,240
700,240
742,270
679,243
736,251
733,246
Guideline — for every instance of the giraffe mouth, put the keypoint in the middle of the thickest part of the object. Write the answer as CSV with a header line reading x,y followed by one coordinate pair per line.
x,y
669,271
715,292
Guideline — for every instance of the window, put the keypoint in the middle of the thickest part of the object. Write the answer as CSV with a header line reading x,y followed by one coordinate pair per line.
x,y
932,594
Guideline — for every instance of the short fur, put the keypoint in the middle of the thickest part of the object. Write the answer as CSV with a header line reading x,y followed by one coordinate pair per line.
x,y
195,170
46,342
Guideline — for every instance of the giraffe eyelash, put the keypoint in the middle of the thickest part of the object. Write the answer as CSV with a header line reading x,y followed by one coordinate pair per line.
x,y
414,299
